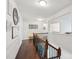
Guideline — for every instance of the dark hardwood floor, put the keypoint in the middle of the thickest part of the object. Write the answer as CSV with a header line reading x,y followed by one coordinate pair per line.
x,y
27,51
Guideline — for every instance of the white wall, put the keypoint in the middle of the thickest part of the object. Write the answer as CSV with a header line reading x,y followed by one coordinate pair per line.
x,y
13,45
28,32
66,23
61,40
63,17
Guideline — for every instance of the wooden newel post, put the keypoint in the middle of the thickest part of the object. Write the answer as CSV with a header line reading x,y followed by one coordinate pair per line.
x,y
46,53
59,53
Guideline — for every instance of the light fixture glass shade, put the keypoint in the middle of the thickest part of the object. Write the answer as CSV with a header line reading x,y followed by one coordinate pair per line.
x,y
43,3
40,19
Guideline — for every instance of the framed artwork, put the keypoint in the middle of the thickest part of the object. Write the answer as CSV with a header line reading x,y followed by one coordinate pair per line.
x,y
15,16
15,32
33,26
44,28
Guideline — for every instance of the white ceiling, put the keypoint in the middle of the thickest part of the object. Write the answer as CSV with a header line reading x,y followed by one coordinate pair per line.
x,y
30,9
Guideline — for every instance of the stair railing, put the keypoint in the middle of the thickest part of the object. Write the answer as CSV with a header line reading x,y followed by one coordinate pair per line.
x,y
42,47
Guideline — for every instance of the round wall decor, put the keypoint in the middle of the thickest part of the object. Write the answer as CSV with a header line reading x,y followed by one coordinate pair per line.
x,y
15,16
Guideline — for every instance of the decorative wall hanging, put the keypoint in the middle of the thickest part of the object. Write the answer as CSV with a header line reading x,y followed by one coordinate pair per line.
x,y
15,32
44,28
33,26
15,16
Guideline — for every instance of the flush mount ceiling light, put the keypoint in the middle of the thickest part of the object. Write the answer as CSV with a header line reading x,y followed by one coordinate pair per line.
x,y
43,3
40,19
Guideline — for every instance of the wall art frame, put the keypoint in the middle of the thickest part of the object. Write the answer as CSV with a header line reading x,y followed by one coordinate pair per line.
x,y
15,32
15,16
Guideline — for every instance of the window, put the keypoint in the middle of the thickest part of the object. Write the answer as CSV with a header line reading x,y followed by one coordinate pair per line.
x,y
55,27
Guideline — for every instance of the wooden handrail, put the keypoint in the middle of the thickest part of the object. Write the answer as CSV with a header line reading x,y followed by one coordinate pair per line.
x,y
42,33
52,46
48,44
36,37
